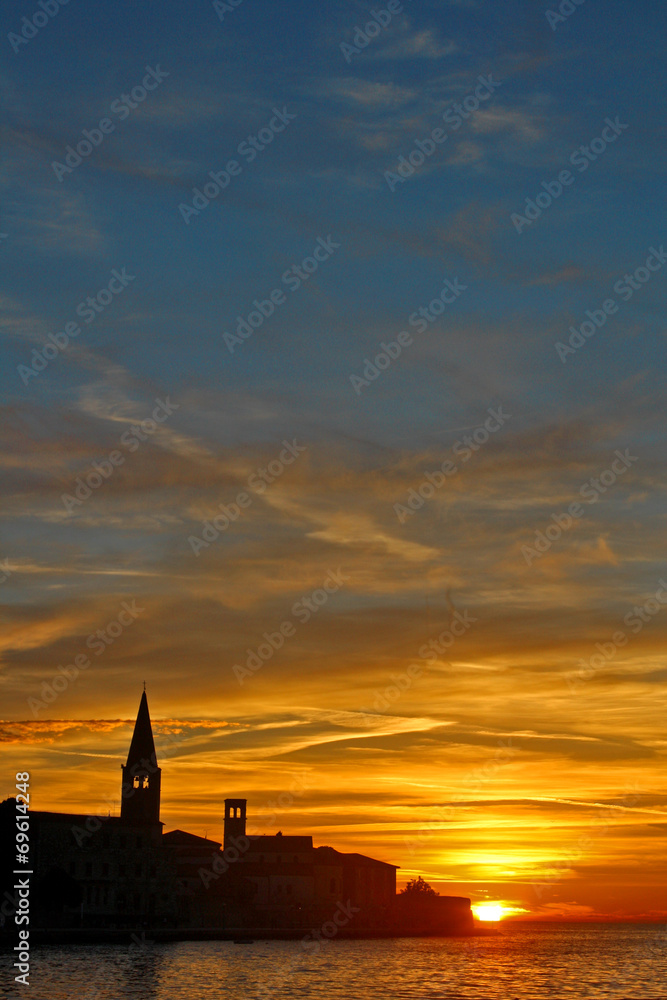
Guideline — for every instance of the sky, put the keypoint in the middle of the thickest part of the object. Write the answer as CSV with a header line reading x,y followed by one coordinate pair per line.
x,y
408,607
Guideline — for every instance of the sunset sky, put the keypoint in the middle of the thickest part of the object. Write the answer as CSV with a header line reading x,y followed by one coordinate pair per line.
x,y
505,765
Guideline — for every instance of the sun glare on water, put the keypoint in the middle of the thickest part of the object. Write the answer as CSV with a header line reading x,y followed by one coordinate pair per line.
x,y
489,911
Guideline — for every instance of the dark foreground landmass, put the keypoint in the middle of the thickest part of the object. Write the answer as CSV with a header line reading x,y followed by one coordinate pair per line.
x,y
241,935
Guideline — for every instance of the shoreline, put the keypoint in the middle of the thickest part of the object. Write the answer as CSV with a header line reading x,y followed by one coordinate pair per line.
x,y
141,937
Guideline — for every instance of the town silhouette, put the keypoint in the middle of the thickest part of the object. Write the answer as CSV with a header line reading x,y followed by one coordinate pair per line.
x,y
97,878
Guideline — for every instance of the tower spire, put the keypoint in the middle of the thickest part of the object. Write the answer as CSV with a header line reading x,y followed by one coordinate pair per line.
x,y
140,802
142,747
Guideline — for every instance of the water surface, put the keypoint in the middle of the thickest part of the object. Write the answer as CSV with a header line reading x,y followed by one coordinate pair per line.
x,y
527,962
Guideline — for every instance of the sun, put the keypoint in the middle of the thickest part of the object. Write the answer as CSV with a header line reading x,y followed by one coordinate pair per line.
x,y
489,911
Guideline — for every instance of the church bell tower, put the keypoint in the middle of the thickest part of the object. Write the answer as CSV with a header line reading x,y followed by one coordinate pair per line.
x,y
235,819
140,801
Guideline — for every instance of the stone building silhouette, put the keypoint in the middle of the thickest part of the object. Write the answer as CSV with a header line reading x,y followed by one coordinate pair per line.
x,y
117,873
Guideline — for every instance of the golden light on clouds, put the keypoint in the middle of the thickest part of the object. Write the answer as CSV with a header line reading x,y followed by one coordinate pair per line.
x,y
477,761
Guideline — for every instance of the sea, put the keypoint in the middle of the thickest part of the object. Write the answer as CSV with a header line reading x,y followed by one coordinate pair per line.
x,y
524,961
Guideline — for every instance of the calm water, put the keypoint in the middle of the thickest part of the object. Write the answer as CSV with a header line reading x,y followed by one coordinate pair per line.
x,y
528,961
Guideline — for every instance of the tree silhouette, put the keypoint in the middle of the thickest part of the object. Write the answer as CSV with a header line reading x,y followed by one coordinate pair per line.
x,y
418,887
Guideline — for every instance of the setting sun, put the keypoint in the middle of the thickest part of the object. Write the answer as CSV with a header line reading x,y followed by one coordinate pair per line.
x,y
489,911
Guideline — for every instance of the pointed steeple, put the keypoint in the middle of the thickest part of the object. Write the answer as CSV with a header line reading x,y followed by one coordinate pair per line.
x,y
142,746
140,801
